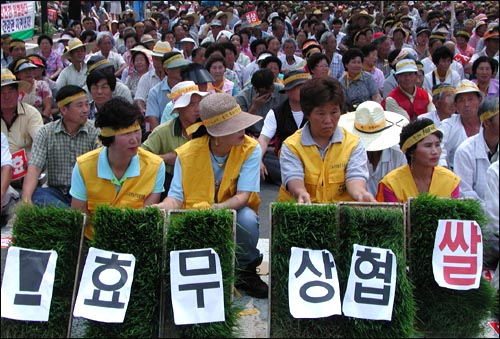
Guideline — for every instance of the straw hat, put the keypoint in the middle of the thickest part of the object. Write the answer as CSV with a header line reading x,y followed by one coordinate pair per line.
x,y
73,44
362,14
377,129
128,13
10,79
221,13
182,92
221,115
160,48
467,86
194,15
148,38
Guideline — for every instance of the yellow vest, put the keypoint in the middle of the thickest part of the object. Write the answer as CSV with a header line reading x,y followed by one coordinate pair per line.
x,y
101,191
401,182
324,179
198,180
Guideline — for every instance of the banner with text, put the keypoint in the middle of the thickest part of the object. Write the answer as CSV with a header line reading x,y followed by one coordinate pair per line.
x,y
18,19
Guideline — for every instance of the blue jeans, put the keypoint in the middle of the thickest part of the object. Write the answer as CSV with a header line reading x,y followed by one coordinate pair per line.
x,y
51,196
247,236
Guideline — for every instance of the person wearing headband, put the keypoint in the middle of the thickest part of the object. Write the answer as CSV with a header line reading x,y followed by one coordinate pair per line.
x,y
420,141
20,122
56,147
443,98
323,152
230,161
119,174
17,48
476,153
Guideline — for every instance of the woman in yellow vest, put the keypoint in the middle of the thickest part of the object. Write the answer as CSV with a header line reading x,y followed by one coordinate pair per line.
x,y
230,163
323,162
420,141
120,174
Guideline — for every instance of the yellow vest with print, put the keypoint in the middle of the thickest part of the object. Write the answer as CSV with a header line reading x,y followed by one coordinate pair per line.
x,y
400,181
324,180
133,192
198,180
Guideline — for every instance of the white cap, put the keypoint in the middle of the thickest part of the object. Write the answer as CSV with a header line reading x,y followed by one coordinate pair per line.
x,y
406,66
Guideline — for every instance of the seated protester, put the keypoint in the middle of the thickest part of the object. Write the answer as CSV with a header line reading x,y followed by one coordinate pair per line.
x,y
394,57
475,154
119,174
9,194
462,125
483,74
141,59
173,63
76,72
216,66
260,97
192,72
370,65
379,132
230,161
443,98
20,122
56,147
102,85
441,58
321,150
490,252
39,94
420,141
105,43
281,122
318,65
407,98
358,85
165,138
274,64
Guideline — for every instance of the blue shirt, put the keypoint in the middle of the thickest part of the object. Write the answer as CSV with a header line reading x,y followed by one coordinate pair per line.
x,y
158,99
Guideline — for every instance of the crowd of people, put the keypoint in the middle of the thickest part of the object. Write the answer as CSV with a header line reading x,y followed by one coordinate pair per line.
x,y
192,104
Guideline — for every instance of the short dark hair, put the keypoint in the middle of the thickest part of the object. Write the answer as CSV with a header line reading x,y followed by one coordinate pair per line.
x,y
215,46
262,78
412,128
117,113
350,54
44,37
212,59
255,43
441,52
318,91
97,75
315,59
484,58
268,60
230,46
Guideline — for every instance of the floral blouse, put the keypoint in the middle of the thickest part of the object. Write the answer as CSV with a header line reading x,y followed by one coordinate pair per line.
x,y
39,91
53,62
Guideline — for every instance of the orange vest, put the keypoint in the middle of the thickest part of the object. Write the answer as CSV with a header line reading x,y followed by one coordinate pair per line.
x,y
324,180
401,182
198,180
133,191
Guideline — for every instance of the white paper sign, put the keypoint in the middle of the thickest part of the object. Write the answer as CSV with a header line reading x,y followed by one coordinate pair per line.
x,y
371,285
104,290
457,259
313,284
27,285
196,286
